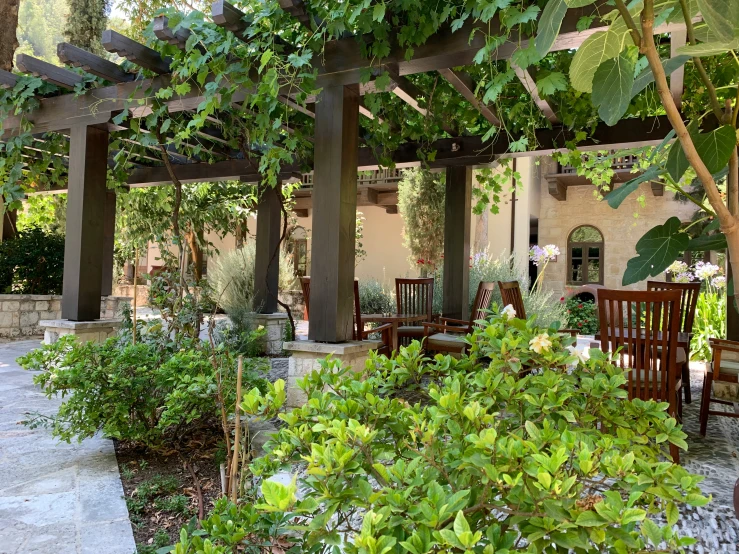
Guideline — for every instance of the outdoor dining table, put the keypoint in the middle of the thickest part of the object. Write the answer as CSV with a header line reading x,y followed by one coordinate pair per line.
x,y
683,339
396,320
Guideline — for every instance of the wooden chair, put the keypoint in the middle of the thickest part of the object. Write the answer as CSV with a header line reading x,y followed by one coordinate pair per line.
x,y
647,349
305,285
721,381
688,303
414,297
510,292
448,334
358,333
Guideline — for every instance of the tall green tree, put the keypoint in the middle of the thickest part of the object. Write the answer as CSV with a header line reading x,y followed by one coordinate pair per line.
x,y
86,22
421,196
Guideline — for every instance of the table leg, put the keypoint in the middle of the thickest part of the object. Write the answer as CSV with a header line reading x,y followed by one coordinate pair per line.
x,y
394,338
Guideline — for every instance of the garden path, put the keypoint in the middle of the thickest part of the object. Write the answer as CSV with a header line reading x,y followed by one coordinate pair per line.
x,y
54,497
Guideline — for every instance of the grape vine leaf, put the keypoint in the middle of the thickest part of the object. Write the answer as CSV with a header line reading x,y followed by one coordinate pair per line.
x,y
552,83
656,250
617,196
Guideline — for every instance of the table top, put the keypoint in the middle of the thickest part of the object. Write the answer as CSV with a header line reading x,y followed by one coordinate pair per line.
x,y
390,318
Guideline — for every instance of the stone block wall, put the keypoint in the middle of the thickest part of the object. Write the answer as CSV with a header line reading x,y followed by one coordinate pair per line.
x,y
20,314
126,291
621,228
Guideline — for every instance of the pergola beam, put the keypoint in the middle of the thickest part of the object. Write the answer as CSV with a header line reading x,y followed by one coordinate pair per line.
x,y
136,52
48,72
678,38
296,8
229,17
166,34
528,82
466,87
95,65
7,79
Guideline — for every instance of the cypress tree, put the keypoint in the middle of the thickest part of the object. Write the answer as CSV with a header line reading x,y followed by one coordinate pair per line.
x,y
86,23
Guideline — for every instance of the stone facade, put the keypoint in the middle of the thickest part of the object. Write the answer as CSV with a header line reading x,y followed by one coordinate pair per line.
x,y
305,356
126,291
621,228
274,324
20,314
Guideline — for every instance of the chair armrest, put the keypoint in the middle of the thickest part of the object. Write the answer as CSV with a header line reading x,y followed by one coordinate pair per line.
x,y
571,332
444,328
452,321
723,344
380,329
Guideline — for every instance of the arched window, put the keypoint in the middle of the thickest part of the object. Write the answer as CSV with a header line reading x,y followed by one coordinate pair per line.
x,y
585,256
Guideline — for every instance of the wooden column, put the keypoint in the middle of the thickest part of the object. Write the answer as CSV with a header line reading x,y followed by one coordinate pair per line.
x,y
108,243
86,199
266,264
457,218
334,214
7,224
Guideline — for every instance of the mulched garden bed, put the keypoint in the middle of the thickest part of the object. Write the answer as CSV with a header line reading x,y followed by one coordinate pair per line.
x,y
161,494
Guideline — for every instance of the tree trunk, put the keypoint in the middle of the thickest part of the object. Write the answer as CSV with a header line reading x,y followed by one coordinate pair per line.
x,y
8,37
241,233
196,255
481,233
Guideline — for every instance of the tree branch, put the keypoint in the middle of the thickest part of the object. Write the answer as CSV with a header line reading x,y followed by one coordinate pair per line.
x,y
633,29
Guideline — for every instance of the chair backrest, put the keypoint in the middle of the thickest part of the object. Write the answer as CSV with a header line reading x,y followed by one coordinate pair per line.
x,y
510,292
415,296
645,325
688,301
482,301
305,285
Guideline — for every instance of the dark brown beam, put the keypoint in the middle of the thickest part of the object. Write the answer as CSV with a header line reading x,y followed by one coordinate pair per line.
x,y
457,221
466,87
266,264
557,189
95,65
7,79
527,80
229,17
678,38
334,219
83,247
296,8
136,52
166,34
48,72
108,243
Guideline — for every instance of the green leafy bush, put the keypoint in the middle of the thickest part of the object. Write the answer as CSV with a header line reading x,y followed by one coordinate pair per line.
x,y
709,322
374,299
521,446
32,263
155,391
582,315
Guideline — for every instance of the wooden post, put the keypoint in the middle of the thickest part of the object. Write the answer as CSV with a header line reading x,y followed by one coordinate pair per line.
x,y
334,214
83,250
7,223
266,264
457,219
108,243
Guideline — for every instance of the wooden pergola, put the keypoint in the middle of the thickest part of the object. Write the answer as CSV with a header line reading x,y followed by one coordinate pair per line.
x,y
87,121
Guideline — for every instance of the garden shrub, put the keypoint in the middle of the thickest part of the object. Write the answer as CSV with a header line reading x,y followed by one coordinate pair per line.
x,y
582,315
520,446
32,263
155,391
374,299
485,268
709,322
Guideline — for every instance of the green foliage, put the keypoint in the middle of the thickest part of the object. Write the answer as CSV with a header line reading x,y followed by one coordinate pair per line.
x,y
86,22
47,212
40,28
709,323
582,315
181,303
478,454
656,250
374,298
32,263
155,391
421,196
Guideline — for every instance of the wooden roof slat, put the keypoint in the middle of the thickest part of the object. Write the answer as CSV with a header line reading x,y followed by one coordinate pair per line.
x,y
466,87
678,38
165,33
136,52
527,80
229,17
95,65
297,9
48,72
7,79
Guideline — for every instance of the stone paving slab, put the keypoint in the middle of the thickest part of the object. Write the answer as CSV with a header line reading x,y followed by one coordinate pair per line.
x,y
55,498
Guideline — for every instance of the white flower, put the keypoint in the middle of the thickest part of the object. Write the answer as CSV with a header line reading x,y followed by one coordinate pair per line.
x,y
508,312
540,255
677,267
260,328
719,282
579,354
540,343
684,277
706,270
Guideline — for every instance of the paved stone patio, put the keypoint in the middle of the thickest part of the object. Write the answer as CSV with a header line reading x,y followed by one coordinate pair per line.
x,y
55,498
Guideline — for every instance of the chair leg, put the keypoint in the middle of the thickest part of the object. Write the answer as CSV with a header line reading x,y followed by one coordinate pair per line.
x,y
686,382
705,401
675,453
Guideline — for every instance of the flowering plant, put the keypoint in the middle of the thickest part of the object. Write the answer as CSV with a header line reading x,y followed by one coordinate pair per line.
x,y
582,315
541,258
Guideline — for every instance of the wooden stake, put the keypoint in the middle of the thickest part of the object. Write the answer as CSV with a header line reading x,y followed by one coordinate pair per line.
x,y
135,291
233,479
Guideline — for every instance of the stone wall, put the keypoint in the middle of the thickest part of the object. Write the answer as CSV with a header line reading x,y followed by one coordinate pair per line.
x,y
20,313
126,291
621,228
